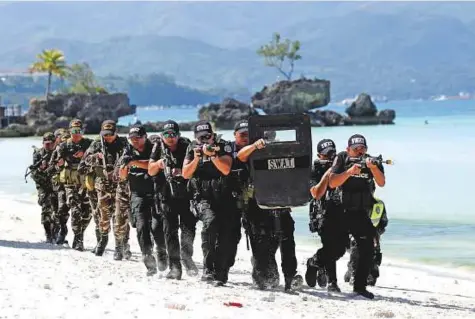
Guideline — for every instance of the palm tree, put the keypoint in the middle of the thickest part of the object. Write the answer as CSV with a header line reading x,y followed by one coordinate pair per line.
x,y
52,62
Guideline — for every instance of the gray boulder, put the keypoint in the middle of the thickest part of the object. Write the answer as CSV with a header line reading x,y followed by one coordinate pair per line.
x,y
363,106
92,109
226,114
295,96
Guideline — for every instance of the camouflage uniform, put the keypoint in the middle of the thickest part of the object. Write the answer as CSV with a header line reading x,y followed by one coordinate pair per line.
x,y
121,221
76,193
62,212
46,196
106,186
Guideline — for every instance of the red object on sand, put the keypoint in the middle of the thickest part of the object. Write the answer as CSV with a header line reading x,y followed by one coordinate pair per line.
x,y
233,304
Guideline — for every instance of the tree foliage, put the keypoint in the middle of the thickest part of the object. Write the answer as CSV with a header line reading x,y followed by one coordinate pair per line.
x,y
82,80
51,62
276,53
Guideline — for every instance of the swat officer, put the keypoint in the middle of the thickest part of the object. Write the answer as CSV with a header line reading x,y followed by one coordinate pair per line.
x,y
102,156
327,219
354,171
238,180
134,166
379,219
269,230
207,163
166,162
70,154
46,196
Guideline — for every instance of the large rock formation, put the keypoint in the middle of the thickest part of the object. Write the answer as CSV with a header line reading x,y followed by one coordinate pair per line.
x,y
364,112
292,96
225,115
91,109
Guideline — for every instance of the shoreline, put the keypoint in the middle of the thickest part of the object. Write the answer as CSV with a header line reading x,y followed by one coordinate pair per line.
x,y
37,275
306,246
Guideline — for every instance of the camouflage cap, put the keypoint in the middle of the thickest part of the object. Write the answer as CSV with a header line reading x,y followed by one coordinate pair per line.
x,y
75,123
65,136
108,127
59,132
48,137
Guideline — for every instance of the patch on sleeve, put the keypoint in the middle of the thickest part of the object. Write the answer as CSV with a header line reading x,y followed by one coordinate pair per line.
x,y
227,148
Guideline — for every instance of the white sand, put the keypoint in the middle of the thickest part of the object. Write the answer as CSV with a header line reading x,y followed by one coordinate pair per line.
x,y
38,280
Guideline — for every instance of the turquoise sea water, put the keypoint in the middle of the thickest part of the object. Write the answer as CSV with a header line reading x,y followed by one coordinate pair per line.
x,y
428,193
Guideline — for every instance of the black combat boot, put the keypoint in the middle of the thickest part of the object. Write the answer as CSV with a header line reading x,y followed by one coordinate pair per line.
x,y
150,264
119,248
55,233
293,283
98,238
78,242
175,270
127,252
162,259
333,287
48,232
363,292
208,275
63,231
190,266
102,244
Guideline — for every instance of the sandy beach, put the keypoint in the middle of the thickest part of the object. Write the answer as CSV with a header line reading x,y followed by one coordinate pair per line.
x,y
39,280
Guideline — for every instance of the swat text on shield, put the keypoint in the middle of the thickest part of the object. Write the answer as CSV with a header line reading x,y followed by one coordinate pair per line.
x,y
281,163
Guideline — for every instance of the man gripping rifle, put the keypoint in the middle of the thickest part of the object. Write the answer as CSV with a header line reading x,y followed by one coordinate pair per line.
x,y
46,196
166,161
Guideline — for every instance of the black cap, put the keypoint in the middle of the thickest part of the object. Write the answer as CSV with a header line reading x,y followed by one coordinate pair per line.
x,y
203,128
357,140
171,125
75,123
108,127
137,131
326,146
241,126
48,137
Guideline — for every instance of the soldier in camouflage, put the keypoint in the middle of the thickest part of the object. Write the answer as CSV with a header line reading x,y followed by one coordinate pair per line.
x,y
46,196
121,221
62,213
102,156
70,154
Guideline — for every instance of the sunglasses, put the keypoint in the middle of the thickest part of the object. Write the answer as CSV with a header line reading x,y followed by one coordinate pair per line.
x,y
169,135
205,137
76,131
108,135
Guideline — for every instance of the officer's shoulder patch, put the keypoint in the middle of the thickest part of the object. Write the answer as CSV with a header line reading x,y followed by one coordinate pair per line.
x,y
228,148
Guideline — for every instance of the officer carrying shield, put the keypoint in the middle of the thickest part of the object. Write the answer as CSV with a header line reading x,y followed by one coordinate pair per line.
x,y
327,219
270,229
207,163
354,171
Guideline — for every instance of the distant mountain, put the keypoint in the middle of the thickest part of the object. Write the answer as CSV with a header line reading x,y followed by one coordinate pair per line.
x,y
397,49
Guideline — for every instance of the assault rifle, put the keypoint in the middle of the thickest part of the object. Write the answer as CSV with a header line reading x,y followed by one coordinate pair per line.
x,y
104,154
35,165
211,147
170,163
374,160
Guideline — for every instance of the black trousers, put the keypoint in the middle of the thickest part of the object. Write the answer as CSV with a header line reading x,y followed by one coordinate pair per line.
x,y
218,236
376,258
334,237
176,214
270,230
148,222
362,230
